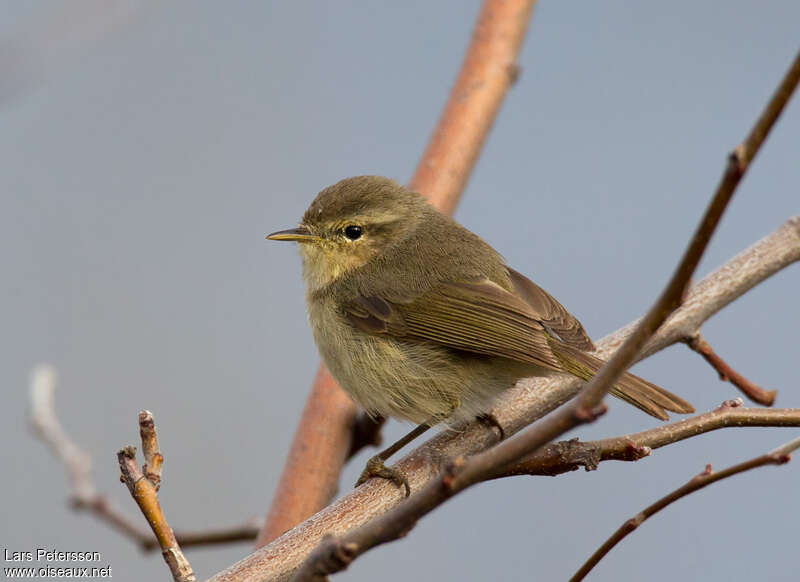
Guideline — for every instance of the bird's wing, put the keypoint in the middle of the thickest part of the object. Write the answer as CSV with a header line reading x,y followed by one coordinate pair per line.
x,y
551,313
476,316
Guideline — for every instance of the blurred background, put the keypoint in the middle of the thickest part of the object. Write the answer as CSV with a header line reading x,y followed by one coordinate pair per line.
x,y
148,148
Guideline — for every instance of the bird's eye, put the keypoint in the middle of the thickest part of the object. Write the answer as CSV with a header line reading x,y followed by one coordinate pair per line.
x,y
353,232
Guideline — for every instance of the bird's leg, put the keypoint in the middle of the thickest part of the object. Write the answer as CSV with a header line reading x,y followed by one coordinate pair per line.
x,y
376,467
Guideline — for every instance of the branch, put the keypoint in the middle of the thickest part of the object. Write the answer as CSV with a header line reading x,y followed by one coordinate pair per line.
x,y
311,473
154,460
565,456
727,374
84,495
532,399
335,554
779,456
526,404
145,494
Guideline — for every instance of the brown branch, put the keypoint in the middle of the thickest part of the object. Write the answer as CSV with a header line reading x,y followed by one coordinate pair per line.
x,y
532,399
565,456
727,374
145,493
84,495
239,533
488,71
461,474
154,460
778,456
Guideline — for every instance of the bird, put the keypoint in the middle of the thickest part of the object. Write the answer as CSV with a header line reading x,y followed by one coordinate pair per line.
x,y
420,319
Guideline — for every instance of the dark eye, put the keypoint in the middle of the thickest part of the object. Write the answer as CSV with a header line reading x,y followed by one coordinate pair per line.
x,y
353,232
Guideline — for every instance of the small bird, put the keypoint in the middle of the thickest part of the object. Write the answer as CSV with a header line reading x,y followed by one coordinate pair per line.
x,y
418,318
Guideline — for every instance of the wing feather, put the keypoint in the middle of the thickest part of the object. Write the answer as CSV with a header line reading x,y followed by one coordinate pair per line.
x,y
477,316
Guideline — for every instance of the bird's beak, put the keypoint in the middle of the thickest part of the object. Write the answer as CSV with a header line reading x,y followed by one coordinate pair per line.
x,y
299,234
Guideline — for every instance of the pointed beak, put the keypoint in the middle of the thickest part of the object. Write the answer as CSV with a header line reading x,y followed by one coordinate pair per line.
x,y
299,234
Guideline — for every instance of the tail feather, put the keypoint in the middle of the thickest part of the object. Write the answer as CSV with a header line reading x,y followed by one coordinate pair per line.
x,y
644,395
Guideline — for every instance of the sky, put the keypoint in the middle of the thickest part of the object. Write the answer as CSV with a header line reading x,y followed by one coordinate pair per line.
x,y
147,148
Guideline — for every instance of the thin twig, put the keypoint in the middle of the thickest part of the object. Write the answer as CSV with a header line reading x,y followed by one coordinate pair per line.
x,y
311,473
461,474
727,374
84,495
154,460
778,456
145,494
565,456
531,400
239,533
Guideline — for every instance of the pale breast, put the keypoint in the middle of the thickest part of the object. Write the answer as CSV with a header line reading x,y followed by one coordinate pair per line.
x,y
415,381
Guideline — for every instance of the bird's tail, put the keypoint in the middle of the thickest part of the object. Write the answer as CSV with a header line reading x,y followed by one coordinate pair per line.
x,y
644,395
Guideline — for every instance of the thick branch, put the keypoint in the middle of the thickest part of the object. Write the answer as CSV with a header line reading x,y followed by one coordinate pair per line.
x,y
532,399
266,565
727,374
488,70
461,474
779,456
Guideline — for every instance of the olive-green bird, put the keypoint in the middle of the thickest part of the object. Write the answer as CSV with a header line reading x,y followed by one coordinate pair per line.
x,y
418,318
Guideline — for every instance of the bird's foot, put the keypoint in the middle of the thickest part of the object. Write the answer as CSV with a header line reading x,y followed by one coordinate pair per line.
x,y
490,420
376,468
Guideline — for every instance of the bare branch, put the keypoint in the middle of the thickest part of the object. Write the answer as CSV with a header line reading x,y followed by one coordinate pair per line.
x,y
779,456
84,495
144,493
727,374
487,73
154,460
239,533
532,399
311,473
565,456
461,474
278,560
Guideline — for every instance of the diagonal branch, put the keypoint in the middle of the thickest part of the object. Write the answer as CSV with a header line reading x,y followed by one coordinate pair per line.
x,y
78,463
311,473
335,554
145,494
713,293
778,456
532,399
727,374
84,494
565,456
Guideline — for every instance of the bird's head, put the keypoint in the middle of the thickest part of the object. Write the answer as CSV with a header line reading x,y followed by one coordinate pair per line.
x,y
350,223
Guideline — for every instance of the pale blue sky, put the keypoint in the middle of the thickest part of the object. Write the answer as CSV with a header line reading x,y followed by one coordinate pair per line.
x,y
148,148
